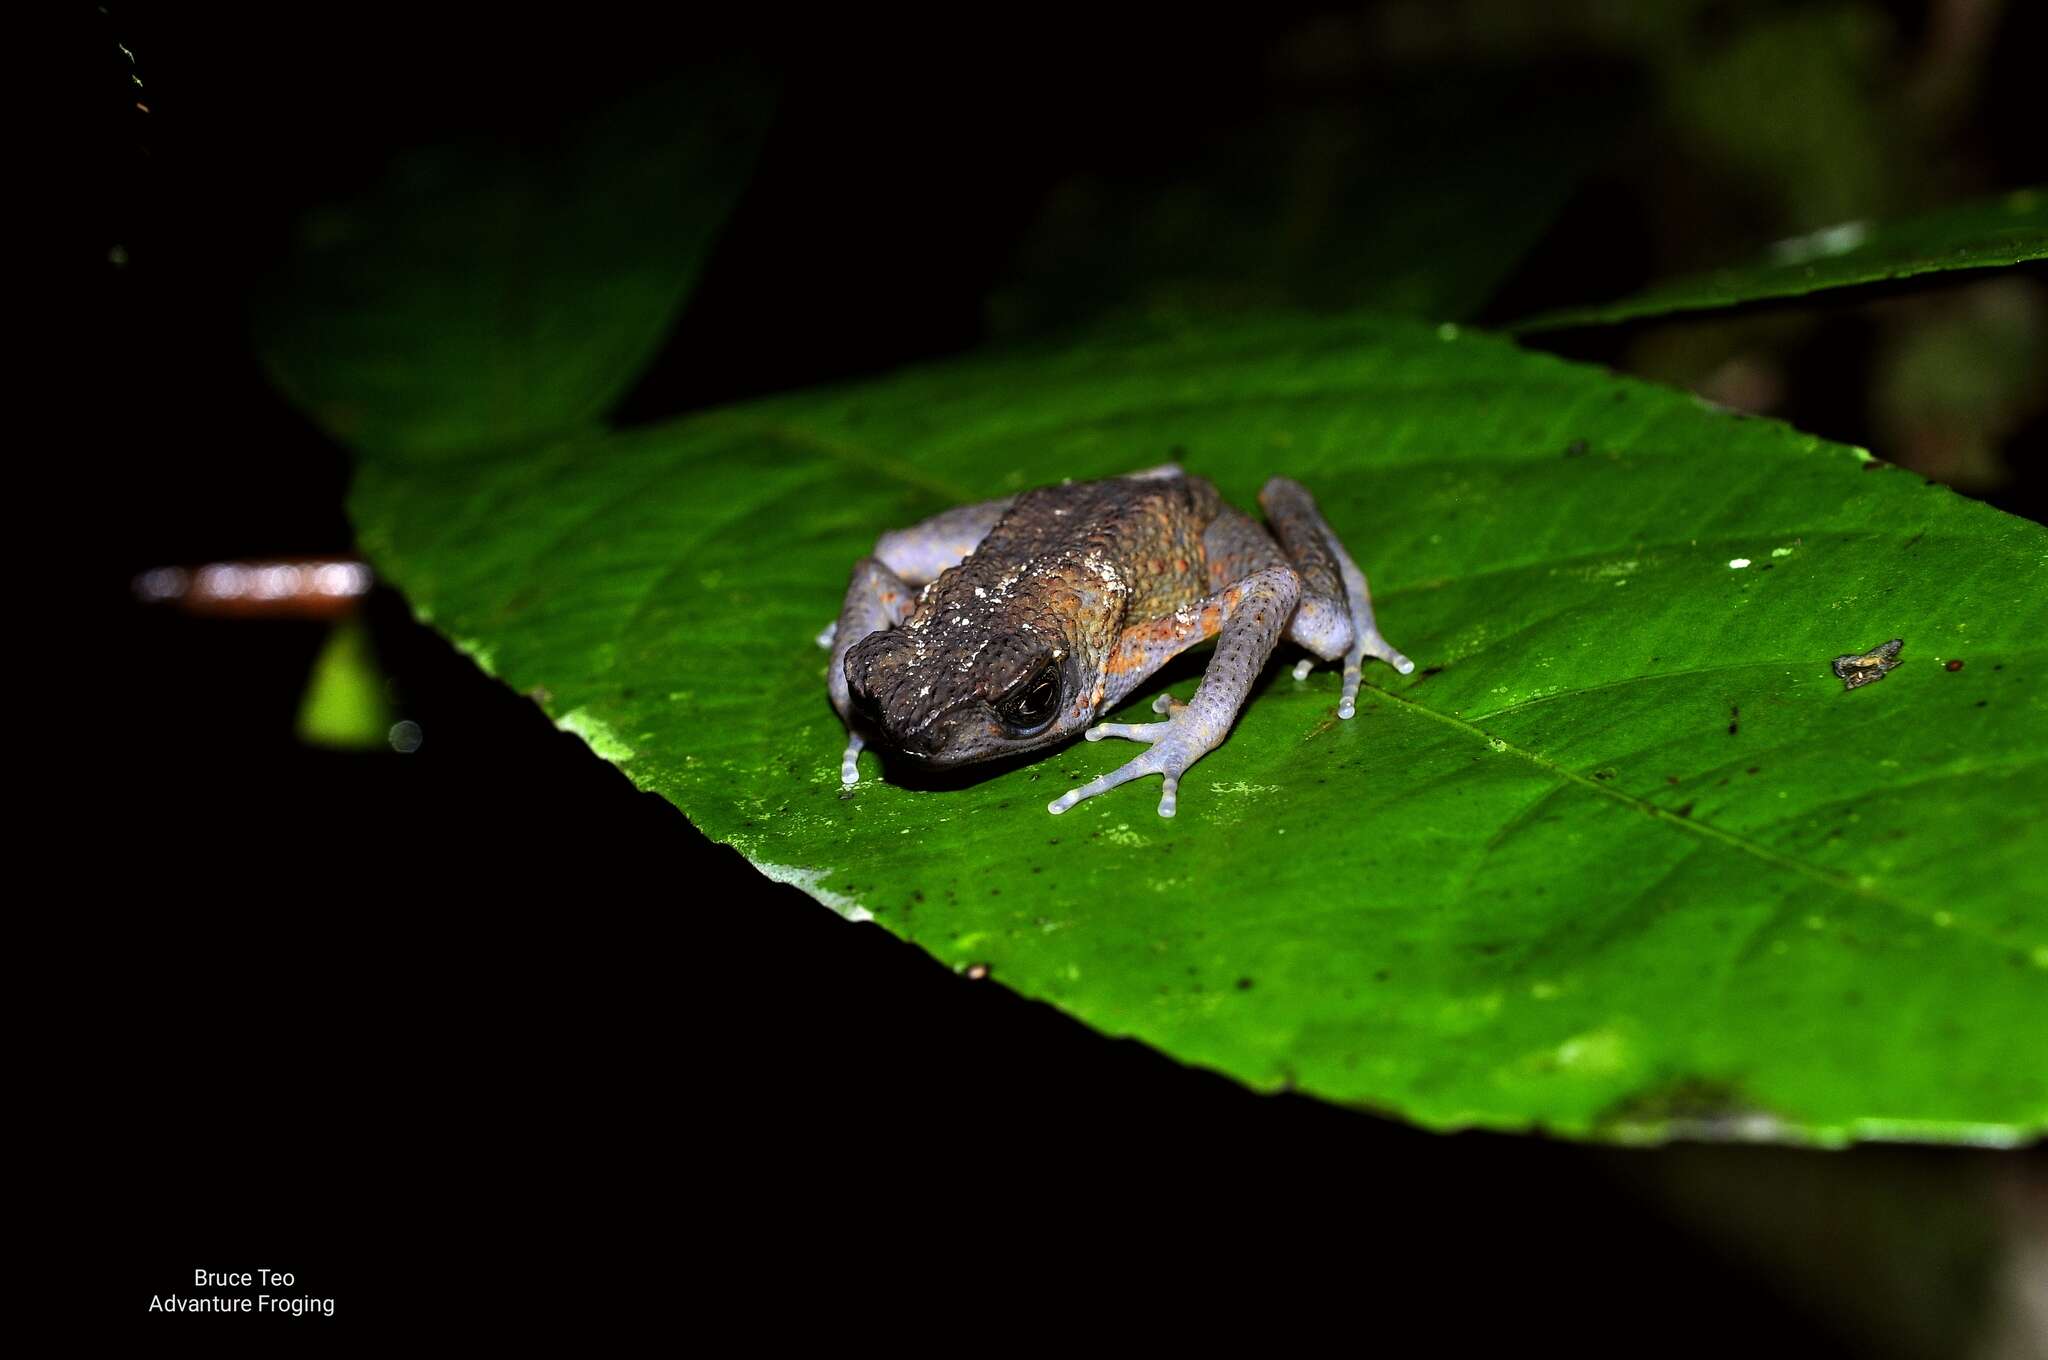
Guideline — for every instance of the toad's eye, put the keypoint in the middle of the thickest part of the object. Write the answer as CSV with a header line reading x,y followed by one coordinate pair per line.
x,y
1034,701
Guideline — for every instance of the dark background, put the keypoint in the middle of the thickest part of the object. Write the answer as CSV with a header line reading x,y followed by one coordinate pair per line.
x,y
481,1036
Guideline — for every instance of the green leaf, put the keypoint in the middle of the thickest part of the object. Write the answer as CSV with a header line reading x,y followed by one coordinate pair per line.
x,y
344,706
1623,860
498,291
2009,230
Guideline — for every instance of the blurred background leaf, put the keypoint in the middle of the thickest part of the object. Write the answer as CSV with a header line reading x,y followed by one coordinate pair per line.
x,y
2010,229
1416,199
345,707
496,240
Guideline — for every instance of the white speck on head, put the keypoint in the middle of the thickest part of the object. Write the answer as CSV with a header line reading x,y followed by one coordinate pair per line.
x,y
1738,563
980,594
1103,570
926,690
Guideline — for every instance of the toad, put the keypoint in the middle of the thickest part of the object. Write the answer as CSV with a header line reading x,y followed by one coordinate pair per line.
x,y
1007,626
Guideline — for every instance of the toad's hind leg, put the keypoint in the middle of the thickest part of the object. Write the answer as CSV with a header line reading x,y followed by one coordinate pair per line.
x,y
883,590
918,554
1335,616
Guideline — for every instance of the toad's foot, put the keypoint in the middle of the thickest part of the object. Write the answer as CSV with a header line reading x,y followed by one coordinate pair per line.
x,y
1354,669
1175,745
1335,616
1367,642
849,764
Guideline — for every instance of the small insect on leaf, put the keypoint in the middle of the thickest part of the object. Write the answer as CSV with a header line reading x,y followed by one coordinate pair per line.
x,y
1861,668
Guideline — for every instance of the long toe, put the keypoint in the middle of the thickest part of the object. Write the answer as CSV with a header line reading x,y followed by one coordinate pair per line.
x,y
1148,763
1145,732
1376,645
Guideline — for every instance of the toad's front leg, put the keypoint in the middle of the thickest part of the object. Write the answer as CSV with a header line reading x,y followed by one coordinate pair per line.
x,y
1249,616
883,592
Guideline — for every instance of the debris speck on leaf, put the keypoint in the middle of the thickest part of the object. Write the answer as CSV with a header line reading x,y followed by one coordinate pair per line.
x,y
1862,668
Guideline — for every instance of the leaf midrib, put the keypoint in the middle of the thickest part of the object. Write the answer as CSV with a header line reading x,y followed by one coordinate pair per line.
x,y
1697,827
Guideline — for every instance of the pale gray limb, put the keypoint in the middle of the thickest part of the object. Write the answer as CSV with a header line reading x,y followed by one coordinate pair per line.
x,y
876,598
883,591
1335,618
918,554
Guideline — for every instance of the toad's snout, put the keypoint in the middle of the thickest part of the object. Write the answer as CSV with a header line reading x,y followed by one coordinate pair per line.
x,y
929,739
902,711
